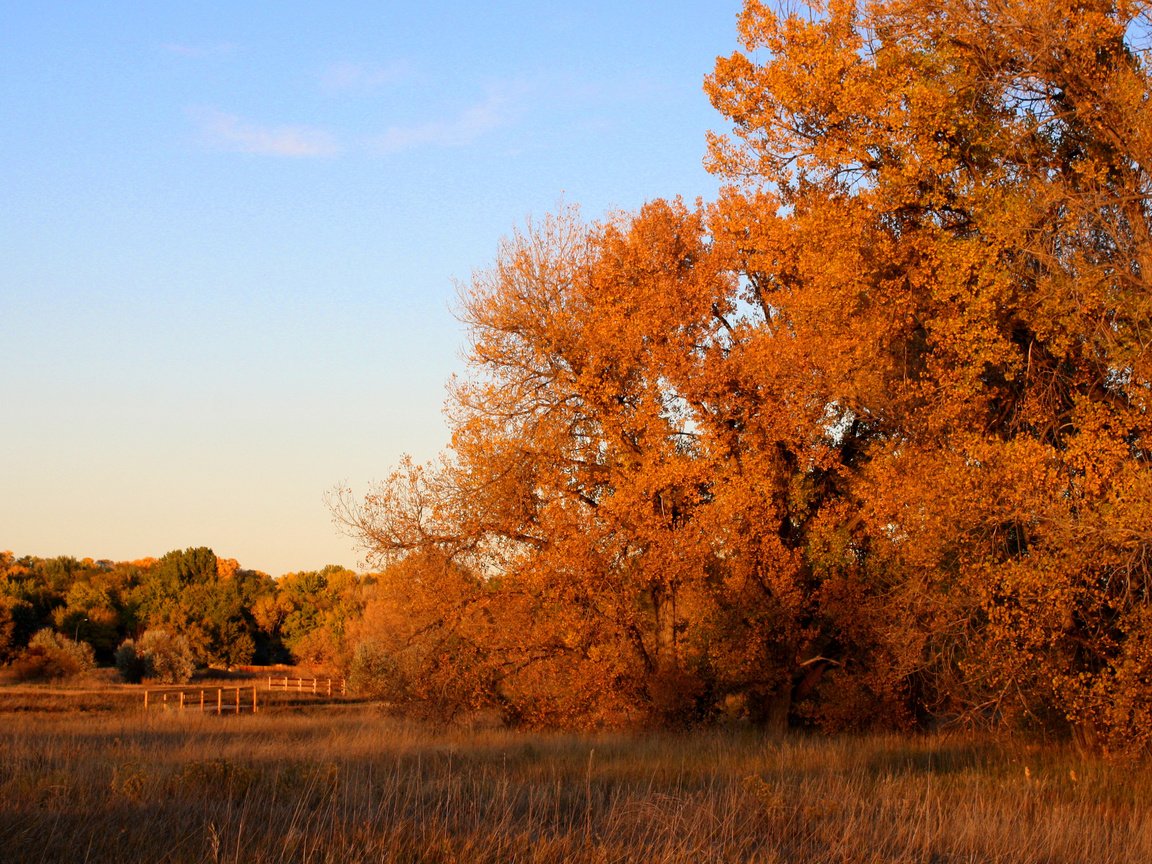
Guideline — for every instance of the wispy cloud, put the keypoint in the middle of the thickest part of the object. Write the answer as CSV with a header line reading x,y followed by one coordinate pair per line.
x,y
349,77
472,123
224,131
229,132
195,51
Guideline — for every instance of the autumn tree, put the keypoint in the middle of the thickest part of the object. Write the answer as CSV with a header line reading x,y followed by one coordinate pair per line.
x,y
632,510
96,607
32,591
867,437
7,631
424,642
311,611
951,200
51,655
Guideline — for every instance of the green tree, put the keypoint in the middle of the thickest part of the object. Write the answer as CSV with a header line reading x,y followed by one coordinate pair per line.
x,y
314,609
186,593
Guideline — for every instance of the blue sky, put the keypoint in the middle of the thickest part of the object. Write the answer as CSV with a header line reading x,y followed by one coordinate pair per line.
x,y
231,234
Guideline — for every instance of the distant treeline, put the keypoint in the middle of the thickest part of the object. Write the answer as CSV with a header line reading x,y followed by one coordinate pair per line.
x,y
228,614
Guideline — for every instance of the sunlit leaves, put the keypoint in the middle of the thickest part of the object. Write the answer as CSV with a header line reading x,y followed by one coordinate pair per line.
x,y
868,435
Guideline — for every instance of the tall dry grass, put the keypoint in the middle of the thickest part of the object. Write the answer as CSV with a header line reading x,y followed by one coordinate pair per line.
x,y
353,785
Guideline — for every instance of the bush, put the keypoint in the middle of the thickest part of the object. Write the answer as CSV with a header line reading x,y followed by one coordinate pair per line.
x,y
130,663
158,655
51,655
374,672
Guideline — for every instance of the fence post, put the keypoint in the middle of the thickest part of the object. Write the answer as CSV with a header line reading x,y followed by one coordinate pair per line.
x,y
219,699
253,698
237,700
329,686
313,685
181,700
145,700
201,700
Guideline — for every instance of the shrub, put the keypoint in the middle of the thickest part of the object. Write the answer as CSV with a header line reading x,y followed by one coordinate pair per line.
x,y
374,672
130,663
158,655
51,655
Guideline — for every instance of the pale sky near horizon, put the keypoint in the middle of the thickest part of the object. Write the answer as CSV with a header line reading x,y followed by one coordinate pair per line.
x,y
231,234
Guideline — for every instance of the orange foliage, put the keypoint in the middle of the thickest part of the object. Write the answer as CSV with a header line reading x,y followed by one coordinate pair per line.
x,y
982,173
867,438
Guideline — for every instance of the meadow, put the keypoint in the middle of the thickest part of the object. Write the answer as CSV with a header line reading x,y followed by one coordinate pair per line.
x,y
96,779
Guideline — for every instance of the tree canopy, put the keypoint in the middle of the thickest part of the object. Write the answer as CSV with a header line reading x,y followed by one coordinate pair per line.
x,y
187,607
865,439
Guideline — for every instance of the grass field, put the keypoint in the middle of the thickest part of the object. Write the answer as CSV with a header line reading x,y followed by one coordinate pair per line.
x,y
340,782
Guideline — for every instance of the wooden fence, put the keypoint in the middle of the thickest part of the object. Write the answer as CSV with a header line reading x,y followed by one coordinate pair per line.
x,y
302,685
236,700
201,699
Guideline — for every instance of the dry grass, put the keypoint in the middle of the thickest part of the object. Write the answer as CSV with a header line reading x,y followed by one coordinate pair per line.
x,y
349,784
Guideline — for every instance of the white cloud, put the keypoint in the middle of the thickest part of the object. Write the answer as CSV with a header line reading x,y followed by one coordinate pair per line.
x,y
229,132
348,77
223,131
463,129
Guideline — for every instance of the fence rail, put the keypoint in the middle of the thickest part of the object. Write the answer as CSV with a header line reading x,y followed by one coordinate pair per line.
x,y
236,700
302,685
184,700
